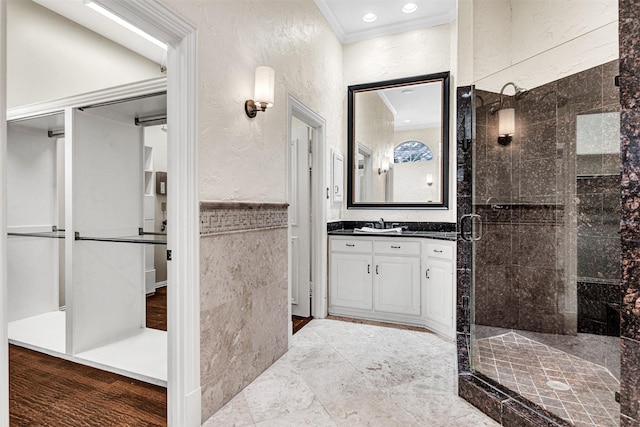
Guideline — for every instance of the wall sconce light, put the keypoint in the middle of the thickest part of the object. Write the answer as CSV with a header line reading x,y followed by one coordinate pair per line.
x,y
263,91
384,166
506,125
429,179
506,116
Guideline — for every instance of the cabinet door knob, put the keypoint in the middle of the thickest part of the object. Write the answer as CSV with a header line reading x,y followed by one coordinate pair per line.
x,y
350,245
438,251
427,274
377,269
395,247
368,268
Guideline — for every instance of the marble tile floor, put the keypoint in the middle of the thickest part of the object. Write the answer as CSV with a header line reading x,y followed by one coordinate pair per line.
x,y
348,374
574,389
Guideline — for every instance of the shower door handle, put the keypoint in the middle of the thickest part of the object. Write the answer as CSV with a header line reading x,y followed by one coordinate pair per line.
x,y
468,235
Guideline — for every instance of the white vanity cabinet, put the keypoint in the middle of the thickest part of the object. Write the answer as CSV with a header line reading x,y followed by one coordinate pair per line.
x,y
350,279
393,279
396,285
438,283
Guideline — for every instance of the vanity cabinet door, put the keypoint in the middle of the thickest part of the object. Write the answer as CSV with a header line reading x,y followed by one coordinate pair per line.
x,y
397,284
350,281
439,306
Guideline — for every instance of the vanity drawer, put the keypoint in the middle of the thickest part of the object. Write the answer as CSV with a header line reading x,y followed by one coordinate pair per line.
x,y
440,250
351,245
396,247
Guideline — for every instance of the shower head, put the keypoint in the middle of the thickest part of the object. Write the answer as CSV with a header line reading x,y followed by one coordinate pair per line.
x,y
520,91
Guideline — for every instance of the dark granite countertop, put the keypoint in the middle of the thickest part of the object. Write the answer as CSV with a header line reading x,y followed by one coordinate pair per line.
x,y
440,235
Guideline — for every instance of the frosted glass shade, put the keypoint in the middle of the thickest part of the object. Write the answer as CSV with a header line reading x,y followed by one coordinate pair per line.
x,y
264,86
506,121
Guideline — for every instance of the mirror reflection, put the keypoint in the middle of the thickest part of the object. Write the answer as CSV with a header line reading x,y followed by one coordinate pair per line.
x,y
398,143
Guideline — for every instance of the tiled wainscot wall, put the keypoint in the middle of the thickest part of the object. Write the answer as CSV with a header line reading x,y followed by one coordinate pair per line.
x,y
243,296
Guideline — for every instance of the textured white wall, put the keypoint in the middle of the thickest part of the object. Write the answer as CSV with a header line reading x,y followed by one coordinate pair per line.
x,y
535,42
462,43
403,55
50,57
244,159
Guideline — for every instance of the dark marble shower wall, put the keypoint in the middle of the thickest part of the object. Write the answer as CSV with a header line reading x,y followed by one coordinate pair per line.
x,y
629,28
526,194
599,252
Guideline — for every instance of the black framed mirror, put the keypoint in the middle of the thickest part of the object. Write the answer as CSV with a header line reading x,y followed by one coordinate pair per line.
x,y
398,143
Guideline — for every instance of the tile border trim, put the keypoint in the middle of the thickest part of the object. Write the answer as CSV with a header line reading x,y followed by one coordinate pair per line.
x,y
233,217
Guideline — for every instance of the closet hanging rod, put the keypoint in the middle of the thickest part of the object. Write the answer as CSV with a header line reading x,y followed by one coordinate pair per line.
x,y
120,101
120,240
151,120
55,133
141,232
44,234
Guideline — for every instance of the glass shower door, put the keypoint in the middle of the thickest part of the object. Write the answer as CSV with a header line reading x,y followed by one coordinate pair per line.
x,y
545,293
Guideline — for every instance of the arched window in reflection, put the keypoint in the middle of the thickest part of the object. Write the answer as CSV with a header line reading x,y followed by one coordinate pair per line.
x,y
412,151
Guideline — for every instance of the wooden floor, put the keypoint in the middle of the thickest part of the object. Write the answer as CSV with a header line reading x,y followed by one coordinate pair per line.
x,y
157,310
299,322
47,391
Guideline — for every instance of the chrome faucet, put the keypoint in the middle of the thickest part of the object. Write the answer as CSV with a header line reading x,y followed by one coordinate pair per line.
x,y
381,223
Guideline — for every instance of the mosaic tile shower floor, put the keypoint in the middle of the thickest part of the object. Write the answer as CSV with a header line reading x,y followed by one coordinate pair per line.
x,y
526,366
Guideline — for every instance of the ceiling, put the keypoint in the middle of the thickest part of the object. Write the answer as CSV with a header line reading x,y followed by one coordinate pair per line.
x,y
77,11
417,106
345,16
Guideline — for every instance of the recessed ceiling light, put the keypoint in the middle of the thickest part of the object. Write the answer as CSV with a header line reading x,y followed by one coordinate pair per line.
x,y
407,91
369,17
409,8
407,121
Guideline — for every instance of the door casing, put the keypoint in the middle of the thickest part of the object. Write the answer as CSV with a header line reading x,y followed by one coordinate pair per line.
x,y
295,108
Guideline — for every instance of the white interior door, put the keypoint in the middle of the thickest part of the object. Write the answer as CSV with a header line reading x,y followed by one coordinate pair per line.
x,y
31,207
300,217
105,280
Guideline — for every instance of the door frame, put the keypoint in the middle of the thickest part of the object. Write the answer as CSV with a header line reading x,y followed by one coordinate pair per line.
x,y
295,108
183,303
4,339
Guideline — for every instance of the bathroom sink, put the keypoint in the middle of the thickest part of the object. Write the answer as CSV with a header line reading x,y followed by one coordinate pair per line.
x,y
369,230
